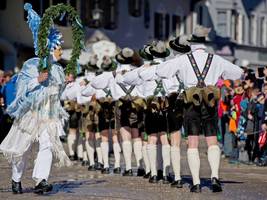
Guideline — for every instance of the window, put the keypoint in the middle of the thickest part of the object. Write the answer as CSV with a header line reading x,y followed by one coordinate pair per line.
x,y
135,8
100,13
111,14
263,31
222,23
147,14
244,33
176,25
158,26
200,15
167,26
252,29
2,4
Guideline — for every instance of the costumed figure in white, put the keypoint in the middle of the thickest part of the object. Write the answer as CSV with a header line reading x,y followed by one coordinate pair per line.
x,y
38,114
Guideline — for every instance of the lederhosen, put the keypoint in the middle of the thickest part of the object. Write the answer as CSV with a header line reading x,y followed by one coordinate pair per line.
x,y
200,119
89,117
156,113
106,116
74,116
128,113
175,109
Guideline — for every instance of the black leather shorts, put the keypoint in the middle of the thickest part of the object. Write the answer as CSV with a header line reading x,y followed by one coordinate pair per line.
x,y
155,122
200,120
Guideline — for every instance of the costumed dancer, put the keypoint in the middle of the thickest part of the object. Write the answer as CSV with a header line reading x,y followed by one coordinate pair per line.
x,y
151,91
199,72
38,114
106,114
175,88
74,116
120,93
130,114
156,114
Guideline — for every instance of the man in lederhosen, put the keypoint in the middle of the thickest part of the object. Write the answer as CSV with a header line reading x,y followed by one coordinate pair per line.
x,y
199,72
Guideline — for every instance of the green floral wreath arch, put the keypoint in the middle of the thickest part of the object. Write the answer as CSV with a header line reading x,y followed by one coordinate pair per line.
x,y
50,14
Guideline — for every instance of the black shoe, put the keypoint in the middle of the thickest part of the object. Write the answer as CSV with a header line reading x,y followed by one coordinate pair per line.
x,y
153,179
16,187
92,168
177,184
117,170
147,175
105,170
42,187
99,166
85,163
160,174
166,180
141,172
128,173
72,158
80,159
216,185
195,188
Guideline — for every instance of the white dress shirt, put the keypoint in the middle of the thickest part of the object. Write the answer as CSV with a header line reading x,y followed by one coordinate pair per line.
x,y
182,66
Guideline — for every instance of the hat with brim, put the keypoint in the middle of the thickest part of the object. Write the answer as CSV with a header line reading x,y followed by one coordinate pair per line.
x,y
122,60
145,53
159,54
112,66
174,44
196,39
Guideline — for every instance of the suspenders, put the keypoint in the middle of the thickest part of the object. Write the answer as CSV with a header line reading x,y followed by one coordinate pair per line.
x,y
108,92
125,90
181,84
159,88
200,76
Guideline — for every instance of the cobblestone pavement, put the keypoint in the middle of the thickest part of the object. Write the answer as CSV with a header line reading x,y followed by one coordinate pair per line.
x,y
76,183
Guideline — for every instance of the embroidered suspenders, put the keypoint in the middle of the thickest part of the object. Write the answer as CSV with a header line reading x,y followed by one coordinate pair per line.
x,y
125,90
159,88
200,76
181,84
108,92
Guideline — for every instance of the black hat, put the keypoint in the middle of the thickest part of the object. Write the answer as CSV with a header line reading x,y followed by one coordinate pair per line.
x,y
200,34
180,44
159,49
145,53
125,56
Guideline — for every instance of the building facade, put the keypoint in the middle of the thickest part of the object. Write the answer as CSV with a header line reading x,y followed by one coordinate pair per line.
x,y
239,27
126,22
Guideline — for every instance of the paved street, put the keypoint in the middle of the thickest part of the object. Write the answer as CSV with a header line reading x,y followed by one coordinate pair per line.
x,y
239,182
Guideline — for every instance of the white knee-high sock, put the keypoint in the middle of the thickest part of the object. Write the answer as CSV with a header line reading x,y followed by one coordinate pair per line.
x,y
71,143
137,147
176,162
105,151
80,147
89,145
127,153
99,151
117,154
145,158
85,156
152,156
159,157
194,164
166,156
214,155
